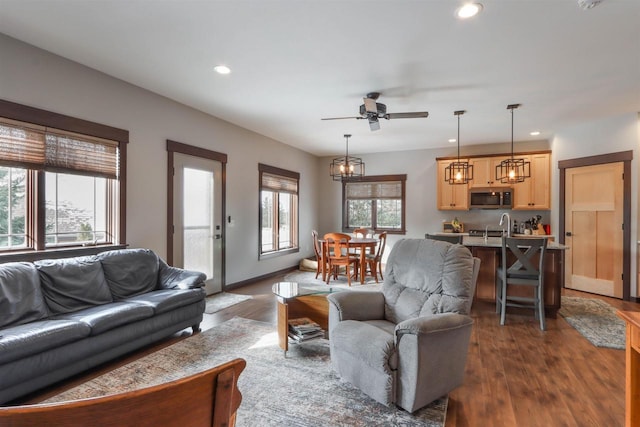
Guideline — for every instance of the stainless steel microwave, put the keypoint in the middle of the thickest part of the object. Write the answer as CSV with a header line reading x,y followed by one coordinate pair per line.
x,y
491,198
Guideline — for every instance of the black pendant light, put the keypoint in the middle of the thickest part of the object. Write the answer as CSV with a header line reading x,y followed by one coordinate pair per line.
x,y
346,167
512,170
458,172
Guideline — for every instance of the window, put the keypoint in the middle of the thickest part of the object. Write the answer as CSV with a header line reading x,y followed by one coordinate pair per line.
x,y
59,188
375,202
278,210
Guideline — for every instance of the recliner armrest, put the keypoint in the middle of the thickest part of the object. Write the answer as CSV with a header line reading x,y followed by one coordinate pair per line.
x,y
432,323
357,305
178,278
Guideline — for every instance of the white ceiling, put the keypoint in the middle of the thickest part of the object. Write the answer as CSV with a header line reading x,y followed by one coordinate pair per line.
x,y
295,61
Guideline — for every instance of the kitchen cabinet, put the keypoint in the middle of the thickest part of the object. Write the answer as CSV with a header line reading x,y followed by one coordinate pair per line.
x,y
484,172
451,197
534,193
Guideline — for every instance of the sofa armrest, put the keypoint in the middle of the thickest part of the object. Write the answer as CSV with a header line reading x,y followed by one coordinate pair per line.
x,y
354,306
432,324
178,278
432,353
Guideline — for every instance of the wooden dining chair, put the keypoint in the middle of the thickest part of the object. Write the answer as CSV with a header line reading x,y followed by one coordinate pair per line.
x,y
362,233
317,248
374,261
336,248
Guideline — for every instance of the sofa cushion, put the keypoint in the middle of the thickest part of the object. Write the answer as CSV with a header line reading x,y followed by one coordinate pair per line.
x,y
21,299
426,276
129,272
36,337
170,299
73,284
108,316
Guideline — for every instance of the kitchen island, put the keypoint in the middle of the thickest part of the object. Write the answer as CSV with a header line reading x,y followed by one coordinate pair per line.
x,y
489,251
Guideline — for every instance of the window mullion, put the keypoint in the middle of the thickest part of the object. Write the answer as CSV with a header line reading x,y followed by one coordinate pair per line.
x,y
276,221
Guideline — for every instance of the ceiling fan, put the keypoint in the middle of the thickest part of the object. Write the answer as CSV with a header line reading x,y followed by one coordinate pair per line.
x,y
373,110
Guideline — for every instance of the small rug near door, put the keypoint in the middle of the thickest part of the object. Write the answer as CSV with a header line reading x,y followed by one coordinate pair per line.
x,y
595,320
223,300
300,390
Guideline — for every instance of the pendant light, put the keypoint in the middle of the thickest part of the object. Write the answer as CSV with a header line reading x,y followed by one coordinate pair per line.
x,y
346,167
511,171
458,172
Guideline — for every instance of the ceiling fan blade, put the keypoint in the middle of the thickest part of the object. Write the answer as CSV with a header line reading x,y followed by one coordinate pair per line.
x,y
340,118
374,123
370,105
414,115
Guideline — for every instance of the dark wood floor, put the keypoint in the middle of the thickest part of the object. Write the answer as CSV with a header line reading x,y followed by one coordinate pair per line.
x,y
516,375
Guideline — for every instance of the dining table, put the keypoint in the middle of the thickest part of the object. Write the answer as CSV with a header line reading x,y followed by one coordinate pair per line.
x,y
362,243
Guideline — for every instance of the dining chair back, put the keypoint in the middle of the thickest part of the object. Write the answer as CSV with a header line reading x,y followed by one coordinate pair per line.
x,y
336,251
317,248
374,261
363,232
524,271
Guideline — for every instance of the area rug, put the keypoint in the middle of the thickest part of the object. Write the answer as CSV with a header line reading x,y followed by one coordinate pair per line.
x,y
223,300
299,390
595,320
308,277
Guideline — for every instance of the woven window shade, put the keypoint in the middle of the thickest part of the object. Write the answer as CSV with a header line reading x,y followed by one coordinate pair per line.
x,y
374,190
21,146
279,183
25,145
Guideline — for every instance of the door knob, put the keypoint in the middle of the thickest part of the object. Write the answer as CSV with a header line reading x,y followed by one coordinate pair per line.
x,y
568,233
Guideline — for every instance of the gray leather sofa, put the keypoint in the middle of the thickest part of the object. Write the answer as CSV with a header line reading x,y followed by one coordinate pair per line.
x,y
407,345
61,317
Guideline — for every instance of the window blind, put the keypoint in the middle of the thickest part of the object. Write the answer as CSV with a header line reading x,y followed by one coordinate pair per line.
x,y
57,151
374,190
279,183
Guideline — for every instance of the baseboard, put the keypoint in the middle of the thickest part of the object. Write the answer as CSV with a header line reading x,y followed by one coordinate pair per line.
x,y
242,283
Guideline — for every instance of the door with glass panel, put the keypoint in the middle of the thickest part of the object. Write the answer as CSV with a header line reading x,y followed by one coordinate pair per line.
x,y
197,216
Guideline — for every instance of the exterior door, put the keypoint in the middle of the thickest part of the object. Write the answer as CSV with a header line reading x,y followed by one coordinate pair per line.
x,y
594,229
197,215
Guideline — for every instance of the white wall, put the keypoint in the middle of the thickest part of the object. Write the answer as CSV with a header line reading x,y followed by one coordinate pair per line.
x,y
39,79
608,135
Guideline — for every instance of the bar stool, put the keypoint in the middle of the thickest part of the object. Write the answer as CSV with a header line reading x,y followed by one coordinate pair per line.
x,y
523,272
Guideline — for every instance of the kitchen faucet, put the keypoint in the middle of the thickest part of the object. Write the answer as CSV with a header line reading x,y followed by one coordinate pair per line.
x,y
508,223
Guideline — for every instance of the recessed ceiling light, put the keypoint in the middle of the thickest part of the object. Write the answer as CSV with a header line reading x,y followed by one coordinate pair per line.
x,y
535,133
452,140
222,69
469,10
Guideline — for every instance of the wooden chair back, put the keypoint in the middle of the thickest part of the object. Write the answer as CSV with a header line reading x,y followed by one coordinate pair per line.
x,y
363,232
382,237
316,245
337,245
209,398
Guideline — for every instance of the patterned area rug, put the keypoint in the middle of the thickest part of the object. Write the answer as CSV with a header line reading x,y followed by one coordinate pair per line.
x,y
595,320
300,390
341,282
223,300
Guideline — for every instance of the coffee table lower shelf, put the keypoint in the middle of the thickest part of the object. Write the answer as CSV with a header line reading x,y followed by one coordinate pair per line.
x,y
315,307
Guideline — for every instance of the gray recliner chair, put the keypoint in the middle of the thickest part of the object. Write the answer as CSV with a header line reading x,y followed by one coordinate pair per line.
x,y
407,345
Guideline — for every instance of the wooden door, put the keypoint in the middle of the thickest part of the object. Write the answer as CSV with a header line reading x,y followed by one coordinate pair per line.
x,y
594,228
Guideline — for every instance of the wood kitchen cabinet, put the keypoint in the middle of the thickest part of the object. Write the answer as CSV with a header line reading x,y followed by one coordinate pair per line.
x,y
451,197
534,193
484,172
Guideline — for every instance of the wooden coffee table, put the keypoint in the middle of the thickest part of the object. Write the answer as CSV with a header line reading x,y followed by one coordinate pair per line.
x,y
301,300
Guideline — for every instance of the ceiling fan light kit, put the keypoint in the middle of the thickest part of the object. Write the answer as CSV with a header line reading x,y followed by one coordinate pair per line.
x,y
458,172
373,111
512,170
346,167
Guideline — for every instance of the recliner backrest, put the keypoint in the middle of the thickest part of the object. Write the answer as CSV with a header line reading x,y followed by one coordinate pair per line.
x,y
426,277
